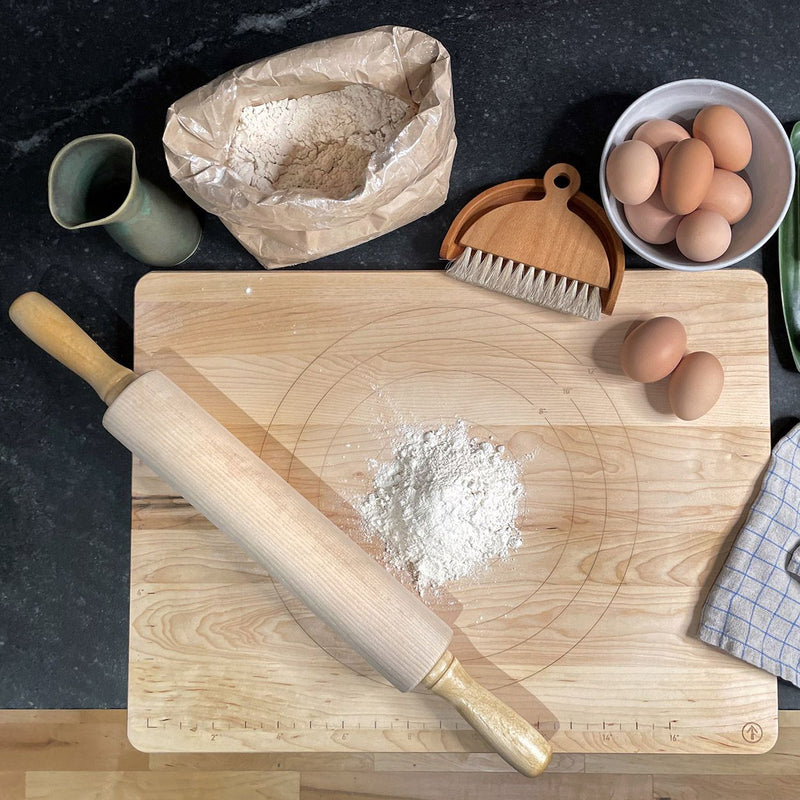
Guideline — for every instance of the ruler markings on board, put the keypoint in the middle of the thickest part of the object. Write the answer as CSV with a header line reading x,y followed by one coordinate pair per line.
x,y
606,728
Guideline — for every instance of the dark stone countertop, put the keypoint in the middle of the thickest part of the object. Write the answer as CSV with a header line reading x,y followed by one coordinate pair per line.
x,y
535,83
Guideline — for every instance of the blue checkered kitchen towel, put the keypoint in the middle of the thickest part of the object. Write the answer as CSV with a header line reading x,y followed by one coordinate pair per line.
x,y
753,609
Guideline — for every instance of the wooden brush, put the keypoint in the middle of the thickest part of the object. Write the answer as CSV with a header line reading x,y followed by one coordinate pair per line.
x,y
540,241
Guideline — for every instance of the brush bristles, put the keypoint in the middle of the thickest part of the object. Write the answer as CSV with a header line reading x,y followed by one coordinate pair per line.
x,y
533,285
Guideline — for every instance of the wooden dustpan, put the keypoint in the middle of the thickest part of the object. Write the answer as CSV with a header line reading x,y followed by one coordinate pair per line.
x,y
541,241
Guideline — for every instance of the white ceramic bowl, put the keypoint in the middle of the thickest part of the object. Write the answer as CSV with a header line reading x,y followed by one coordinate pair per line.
x,y
770,172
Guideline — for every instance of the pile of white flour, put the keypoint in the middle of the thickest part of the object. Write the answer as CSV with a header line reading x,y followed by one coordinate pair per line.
x,y
319,144
445,506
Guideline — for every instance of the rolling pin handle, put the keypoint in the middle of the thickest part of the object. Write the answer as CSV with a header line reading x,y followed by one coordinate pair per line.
x,y
47,325
513,737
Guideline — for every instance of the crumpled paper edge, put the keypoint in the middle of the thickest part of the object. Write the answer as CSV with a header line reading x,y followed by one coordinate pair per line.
x,y
406,182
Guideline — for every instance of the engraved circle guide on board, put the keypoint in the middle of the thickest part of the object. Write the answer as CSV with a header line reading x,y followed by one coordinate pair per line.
x,y
433,334
473,426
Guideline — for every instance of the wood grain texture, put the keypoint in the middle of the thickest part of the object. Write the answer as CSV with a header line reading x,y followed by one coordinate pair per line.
x,y
279,528
66,740
47,325
717,787
544,233
587,631
12,785
383,621
508,733
84,769
472,786
207,785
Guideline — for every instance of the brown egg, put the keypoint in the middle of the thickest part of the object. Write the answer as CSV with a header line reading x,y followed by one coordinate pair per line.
x,y
652,220
695,385
727,136
632,171
728,195
686,176
703,235
651,351
661,135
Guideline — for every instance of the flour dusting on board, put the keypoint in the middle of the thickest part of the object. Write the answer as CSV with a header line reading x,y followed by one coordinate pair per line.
x,y
445,506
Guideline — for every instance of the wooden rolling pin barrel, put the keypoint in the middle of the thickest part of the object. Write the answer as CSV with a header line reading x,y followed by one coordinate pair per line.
x,y
298,545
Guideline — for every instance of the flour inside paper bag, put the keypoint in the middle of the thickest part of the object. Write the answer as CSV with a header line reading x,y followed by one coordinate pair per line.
x,y
320,144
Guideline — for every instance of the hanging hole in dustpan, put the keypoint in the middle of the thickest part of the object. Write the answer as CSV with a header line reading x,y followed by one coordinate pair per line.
x,y
562,180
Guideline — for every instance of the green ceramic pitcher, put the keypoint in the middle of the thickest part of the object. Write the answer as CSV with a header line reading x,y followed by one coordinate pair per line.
x,y
94,181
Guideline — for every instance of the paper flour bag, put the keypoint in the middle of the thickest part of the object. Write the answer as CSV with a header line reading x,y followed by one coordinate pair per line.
x,y
320,148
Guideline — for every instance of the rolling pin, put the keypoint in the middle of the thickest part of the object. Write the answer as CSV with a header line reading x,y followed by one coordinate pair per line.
x,y
388,625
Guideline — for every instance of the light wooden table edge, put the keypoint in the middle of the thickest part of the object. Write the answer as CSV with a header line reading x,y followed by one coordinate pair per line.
x,y
74,754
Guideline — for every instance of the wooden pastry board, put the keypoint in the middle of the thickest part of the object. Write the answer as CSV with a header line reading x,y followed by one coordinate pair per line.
x,y
587,629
